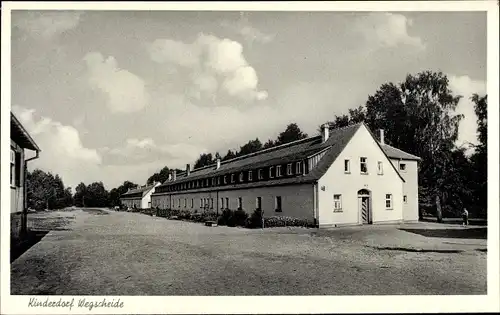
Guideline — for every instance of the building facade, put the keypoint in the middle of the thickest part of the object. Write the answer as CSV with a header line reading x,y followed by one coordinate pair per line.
x,y
343,177
139,198
21,144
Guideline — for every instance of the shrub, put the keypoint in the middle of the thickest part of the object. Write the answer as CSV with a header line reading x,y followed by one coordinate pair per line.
x,y
223,219
287,221
238,218
255,220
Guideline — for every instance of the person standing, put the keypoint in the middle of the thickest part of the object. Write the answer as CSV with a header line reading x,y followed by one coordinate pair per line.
x,y
465,217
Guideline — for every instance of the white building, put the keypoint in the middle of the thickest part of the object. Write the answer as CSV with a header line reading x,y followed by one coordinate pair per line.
x,y
140,197
343,177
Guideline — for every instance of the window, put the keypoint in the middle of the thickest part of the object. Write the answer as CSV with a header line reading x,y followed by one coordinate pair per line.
x,y
298,168
218,180
388,201
225,179
211,203
402,167
241,177
185,203
380,168
227,203
201,202
405,199
240,203
337,203
12,167
232,178
271,169
207,183
192,203
213,181
260,174
289,169
278,171
363,166
258,203
249,176
277,205
347,166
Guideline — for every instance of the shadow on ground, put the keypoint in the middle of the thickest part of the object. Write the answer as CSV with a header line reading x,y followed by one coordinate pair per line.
x,y
18,247
474,233
95,211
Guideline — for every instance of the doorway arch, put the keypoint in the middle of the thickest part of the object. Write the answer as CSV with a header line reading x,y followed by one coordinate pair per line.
x,y
364,204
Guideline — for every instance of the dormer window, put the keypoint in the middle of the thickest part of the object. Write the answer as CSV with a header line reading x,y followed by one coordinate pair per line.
x,y
249,176
241,177
260,174
298,168
278,171
225,179
218,180
232,178
289,169
271,170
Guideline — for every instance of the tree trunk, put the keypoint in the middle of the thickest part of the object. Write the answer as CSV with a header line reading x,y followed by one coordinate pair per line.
x,y
439,212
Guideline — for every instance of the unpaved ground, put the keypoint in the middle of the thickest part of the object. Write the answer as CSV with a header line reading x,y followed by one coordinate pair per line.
x,y
119,253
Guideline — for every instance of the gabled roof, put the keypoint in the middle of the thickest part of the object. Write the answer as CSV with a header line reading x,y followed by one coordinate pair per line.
x,y
287,153
20,136
137,192
396,153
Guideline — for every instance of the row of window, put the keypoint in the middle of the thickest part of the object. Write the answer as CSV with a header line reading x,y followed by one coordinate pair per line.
x,y
363,166
337,202
208,203
275,171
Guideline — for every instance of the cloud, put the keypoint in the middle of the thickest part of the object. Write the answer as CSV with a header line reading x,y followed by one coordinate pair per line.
x,y
212,63
251,34
46,24
62,149
465,86
125,91
387,30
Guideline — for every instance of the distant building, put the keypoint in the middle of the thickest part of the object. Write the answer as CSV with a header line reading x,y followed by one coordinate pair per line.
x,y
342,177
139,197
20,142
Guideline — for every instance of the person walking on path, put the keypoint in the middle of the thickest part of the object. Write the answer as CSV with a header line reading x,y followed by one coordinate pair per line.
x,y
465,217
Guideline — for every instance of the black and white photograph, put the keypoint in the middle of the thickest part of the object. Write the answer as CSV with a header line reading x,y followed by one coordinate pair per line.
x,y
249,150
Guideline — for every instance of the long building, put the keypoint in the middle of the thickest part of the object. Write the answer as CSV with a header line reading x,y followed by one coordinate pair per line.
x,y
140,197
341,177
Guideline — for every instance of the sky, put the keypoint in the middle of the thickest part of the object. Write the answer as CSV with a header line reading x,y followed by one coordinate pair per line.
x,y
112,95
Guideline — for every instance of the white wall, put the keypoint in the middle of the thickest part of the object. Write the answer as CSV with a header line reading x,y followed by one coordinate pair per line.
x,y
146,199
17,192
335,181
296,200
410,188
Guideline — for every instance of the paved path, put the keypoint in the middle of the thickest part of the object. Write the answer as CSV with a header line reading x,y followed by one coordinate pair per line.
x,y
118,253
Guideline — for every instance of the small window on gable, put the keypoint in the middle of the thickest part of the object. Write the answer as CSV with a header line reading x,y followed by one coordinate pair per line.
x,y
271,170
405,199
380,168
298,168
347,166
289,169
249,176
363,165
388,201
337,203
402,167
260,174
278,171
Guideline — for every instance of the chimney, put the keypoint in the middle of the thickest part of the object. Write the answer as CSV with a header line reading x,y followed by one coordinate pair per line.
x,y
188,169
170,175
382,136
217,161
326,133
174,175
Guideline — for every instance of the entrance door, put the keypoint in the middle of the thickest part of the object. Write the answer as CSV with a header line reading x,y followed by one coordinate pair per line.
x,y
365,210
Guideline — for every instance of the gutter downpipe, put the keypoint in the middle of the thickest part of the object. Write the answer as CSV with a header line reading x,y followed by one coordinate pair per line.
x,y
315,204
24,217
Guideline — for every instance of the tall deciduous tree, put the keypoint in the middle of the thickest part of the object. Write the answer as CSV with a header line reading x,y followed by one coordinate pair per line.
x,y
480,156
204,160
250,147
291,133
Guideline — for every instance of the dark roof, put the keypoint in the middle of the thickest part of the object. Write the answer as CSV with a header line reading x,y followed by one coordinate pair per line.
x,y
20,136
396,153
137,192
287,153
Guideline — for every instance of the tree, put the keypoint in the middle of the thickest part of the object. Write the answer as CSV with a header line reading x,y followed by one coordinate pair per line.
x,y
46,191
480,156
79,197
204,160
268,144
115,193
96,195
291,133
420,118
250,147
229,155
